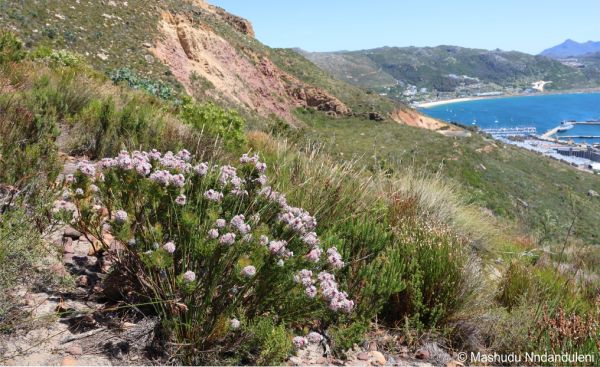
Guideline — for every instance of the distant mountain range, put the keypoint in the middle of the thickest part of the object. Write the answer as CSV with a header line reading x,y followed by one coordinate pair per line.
x,y
571,48
424,72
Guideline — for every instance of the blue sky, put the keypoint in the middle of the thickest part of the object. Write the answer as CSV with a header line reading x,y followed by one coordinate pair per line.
x,y
329,25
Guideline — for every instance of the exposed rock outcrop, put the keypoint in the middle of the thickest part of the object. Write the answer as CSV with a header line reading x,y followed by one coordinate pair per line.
x,y
244,78
240,24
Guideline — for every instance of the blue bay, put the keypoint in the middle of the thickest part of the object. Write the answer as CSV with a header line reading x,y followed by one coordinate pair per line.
x,y
543,112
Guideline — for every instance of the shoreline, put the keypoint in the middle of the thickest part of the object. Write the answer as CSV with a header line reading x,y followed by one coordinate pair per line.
x,y
477,98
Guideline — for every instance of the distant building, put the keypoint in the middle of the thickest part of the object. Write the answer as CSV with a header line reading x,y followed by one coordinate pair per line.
x,y
588,153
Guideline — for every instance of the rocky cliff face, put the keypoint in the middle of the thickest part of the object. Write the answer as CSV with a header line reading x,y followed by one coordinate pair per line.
x,y
194,50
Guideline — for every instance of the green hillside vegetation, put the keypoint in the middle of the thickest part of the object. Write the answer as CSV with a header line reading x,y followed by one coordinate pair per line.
x,y
434,67
115,40
419,254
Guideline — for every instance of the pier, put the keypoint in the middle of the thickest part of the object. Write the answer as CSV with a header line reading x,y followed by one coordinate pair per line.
x,y
511,131
552,132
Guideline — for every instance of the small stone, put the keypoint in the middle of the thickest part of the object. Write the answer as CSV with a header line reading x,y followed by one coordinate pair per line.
x,y
75,349
59,269
147,44
296,361
68,245
72,233
391,361
372,346
593,193
69,361
422,354
82,281
454,363
149,59
377,358
363,356
321,360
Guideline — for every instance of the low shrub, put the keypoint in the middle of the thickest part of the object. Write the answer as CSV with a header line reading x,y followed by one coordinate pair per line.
x,y
436,279
28,154
210,245
154,87
11,48
227,125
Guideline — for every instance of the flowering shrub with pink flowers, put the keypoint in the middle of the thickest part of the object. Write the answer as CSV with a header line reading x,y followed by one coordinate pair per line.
x,y
209,244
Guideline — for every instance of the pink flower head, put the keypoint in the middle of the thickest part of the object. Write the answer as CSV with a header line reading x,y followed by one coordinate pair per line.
x,y
314,337
299,341
247,159
189,276
213,233
311,291
235,324
162,177
261,167
220,223
180,200
227,239
249,271
277,247
121,216
201,169
213,195
184,155
178,180
169,247
264,240
315,254
87,169
334,258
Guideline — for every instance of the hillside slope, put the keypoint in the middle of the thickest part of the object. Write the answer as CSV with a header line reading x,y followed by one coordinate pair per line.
x,y
445,69
195,47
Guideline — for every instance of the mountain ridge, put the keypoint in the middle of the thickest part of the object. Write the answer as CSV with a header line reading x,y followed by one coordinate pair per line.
x,y
425,72
571,48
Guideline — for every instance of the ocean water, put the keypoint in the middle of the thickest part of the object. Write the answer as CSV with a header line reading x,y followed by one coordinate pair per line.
x,y
543,112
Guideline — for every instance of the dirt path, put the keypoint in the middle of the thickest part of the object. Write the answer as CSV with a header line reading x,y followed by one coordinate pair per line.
x,y
75,326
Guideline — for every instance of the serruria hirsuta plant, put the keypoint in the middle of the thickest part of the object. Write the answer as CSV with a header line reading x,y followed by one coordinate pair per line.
x,y
209,245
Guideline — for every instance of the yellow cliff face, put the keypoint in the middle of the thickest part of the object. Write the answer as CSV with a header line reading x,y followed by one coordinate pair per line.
x,y
414,118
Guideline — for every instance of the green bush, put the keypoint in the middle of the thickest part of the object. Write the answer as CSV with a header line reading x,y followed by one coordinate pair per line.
x,y
28,153
11,48
154,87
208,245
20,249
435,276
228,125
515,284
268,344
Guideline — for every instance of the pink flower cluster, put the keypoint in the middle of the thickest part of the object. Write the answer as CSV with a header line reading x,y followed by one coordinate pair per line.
x,y
238,222
302,341
121,216
87,169
227,239
213,195
337,299
334,258
249,271
279,248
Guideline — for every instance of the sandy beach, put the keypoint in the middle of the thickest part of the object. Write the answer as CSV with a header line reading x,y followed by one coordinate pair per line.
x,y
449,101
